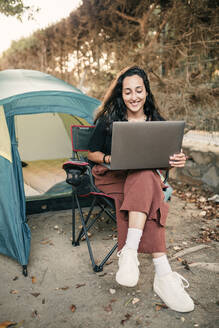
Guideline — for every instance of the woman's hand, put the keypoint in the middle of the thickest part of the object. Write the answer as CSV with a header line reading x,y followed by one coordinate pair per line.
x,y
178,160
98,157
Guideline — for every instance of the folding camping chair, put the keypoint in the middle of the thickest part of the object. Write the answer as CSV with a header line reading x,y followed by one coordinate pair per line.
x,y
79,176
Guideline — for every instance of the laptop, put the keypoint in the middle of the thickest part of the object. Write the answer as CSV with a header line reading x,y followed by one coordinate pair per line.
x,y
145,145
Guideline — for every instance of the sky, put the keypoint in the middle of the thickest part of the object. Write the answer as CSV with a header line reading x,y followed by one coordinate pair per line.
x,y
51,11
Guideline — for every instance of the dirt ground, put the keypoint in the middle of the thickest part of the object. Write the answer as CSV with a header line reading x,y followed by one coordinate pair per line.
x,y
62,291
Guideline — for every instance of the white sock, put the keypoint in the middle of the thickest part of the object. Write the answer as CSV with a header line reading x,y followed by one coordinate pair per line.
x,y
133,238
162,266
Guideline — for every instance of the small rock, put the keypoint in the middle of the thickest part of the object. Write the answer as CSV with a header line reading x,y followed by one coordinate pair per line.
x,y
214,198
135,300
202,199
176,248
56,227
112,291
182,319
202,213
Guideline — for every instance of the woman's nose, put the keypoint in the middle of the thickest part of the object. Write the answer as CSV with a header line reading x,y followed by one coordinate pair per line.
x,y
134,96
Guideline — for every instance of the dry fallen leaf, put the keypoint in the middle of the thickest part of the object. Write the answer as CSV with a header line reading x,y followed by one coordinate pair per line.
x,y
89,234
80,285
127,317
186,265
108,262
34,314
159,306
19,324
73,308
44,242
14,291
6,324
102,274
108,308
35,294
113,300
64,288
33,279
15,278
179,259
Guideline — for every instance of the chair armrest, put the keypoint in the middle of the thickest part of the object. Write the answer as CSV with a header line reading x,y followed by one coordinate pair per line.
x,y
75,165
75,170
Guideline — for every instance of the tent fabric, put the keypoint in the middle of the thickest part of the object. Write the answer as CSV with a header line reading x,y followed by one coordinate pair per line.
x,y
19,81
31,131
5,145
42,175
14,231
28,92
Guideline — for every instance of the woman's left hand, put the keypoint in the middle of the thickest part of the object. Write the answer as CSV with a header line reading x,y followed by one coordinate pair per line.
x,y
178,160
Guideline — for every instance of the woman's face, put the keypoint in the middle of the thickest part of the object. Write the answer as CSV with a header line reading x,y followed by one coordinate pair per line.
x,y
134,94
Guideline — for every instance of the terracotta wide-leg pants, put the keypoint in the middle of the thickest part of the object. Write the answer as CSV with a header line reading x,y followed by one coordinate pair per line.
x,y
141,191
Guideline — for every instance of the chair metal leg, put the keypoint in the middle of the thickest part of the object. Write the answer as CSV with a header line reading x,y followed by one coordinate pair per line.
x,y
81,233
73,219
85,233
108,212
99,267
86,227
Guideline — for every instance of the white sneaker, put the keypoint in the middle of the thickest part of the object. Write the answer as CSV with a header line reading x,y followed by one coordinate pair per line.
x,y
128,273
170,288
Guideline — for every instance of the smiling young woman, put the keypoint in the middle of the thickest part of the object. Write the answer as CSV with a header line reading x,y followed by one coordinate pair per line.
x,y
140,208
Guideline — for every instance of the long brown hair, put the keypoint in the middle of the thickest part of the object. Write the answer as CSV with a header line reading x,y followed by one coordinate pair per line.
x,y
113,107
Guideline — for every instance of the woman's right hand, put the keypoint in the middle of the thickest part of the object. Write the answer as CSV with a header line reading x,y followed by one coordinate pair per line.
x,y
97,157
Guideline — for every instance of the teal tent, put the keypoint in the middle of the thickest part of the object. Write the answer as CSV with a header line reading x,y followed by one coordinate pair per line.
x,y
28,92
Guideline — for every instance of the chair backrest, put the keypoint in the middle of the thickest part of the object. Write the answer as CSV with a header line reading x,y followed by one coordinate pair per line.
x,y
80,136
